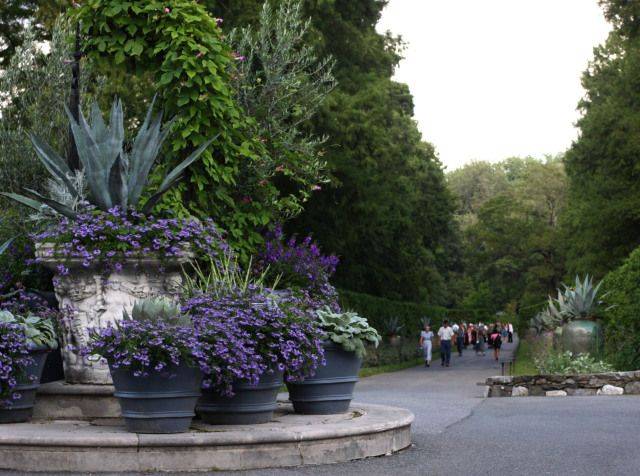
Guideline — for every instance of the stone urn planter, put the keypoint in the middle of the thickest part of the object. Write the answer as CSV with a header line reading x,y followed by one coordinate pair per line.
x,y
330,390
583,336
21,409
251,404
90,298
163,402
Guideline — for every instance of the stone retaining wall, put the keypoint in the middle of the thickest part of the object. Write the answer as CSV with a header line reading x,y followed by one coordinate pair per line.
x,y
610,383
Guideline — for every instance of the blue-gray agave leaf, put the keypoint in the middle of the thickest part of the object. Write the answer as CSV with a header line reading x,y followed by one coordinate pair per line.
x,y
174,176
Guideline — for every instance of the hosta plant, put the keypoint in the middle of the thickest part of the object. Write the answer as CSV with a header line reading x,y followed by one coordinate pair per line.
x,y
19,335
116,175
348,329
39,332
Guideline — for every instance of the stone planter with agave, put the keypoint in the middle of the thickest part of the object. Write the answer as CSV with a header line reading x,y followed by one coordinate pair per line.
x,y
572,317
106,249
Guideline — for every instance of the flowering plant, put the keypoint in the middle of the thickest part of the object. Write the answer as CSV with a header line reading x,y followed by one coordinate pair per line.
x,y
14,357
144,346
249,332
301,266
107,238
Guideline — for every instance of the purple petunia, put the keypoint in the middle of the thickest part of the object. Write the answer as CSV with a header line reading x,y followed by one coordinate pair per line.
x,y
102,239
14,357
248,333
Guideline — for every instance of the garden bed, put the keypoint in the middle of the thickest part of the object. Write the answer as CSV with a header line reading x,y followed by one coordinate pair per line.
x,y
609,383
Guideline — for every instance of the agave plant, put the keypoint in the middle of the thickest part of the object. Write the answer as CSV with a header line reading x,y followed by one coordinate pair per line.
x,y
115,175
581,300
158,309
393,326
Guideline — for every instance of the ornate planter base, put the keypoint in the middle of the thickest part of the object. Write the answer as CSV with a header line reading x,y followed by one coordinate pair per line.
x,y
91,299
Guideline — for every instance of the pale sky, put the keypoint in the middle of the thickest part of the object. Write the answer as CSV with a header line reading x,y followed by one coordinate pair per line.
x,y
495,78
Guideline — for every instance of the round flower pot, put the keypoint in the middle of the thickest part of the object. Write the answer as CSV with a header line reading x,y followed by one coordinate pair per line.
x,y
582,337
330,390
251,404
395,340
21,409
162,402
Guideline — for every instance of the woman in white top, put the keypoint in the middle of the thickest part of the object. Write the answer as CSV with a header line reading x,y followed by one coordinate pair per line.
x,y
425,342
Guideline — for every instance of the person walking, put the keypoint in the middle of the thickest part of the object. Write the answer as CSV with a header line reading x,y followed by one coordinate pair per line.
x,y
460,339
445,333
496,342
510,331
426,343
480,339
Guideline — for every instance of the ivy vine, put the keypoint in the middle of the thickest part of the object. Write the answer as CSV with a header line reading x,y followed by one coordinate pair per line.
x,y
182,46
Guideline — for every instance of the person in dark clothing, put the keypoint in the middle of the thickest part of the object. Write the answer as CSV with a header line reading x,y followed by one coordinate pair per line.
x,y
496,342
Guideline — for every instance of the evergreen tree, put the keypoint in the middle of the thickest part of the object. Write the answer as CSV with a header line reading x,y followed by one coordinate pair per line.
x,y
602,223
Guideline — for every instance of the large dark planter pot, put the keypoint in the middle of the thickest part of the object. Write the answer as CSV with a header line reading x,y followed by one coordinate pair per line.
x,y
330,390
163,402
53,369
583,336
21,410
251,404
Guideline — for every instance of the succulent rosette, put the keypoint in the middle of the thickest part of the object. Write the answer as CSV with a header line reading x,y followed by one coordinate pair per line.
x,y
247,333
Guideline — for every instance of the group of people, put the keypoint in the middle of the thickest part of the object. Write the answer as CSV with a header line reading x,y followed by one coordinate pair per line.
x,y
463,335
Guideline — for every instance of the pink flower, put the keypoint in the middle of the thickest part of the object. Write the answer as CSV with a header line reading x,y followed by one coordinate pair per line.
x,y
238,57
219,21
167,10
316,187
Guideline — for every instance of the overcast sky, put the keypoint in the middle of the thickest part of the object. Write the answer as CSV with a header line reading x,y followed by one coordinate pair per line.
x,y
495,78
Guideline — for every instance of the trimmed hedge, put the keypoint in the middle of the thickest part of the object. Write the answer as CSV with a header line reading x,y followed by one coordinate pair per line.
x,y
379,311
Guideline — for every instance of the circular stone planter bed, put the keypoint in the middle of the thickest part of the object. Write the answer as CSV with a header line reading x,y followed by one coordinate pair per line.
x,y
290,440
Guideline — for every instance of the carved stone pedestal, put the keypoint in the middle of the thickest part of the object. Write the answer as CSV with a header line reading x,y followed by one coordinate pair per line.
x,y
90,299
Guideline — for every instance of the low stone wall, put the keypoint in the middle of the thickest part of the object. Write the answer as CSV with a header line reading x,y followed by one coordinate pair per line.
x,y
610,383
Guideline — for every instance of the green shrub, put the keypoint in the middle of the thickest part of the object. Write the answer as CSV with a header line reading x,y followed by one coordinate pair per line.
x,y
379,311
567,363
622,317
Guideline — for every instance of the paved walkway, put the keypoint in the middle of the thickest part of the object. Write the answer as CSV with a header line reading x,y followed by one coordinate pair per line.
x,y
459,432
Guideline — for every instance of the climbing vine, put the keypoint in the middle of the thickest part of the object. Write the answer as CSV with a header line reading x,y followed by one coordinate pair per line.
x,y
182,46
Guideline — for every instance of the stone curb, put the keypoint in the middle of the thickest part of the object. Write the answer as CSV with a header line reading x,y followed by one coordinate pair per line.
x,y
292,440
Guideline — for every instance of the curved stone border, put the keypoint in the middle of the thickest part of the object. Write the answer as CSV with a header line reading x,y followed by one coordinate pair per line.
x,y
290,440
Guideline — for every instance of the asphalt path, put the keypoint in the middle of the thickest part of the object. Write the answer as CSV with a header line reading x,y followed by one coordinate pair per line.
x,y
457,431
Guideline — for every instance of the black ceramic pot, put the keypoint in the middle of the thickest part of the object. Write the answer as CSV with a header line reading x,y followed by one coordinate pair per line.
x,y
162,402
251,404
330,390
21,410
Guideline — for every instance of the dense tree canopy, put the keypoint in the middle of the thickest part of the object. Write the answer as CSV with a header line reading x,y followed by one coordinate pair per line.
x,y
387,213
603,165
511,236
